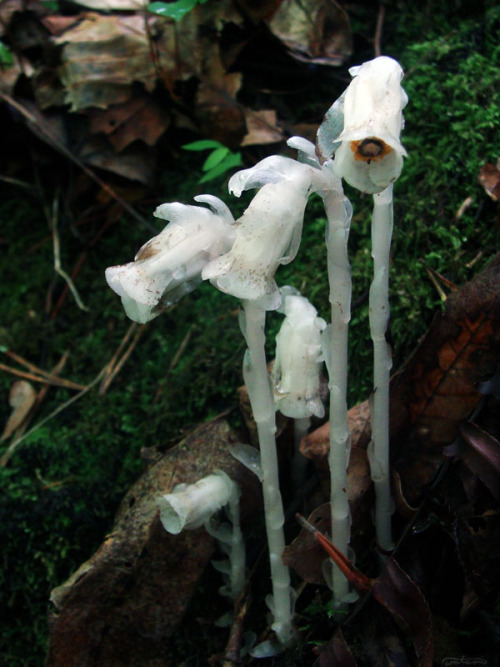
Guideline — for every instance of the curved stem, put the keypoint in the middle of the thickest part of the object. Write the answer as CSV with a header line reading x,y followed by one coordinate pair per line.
x,y
261,398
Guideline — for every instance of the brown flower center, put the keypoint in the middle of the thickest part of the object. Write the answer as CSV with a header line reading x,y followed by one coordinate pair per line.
x,y
370,149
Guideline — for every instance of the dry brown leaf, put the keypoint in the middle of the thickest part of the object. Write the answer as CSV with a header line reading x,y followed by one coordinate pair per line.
x,y
7,10
489,178
22,398
136,162
220,116
317,32
102,56
140,118
336,652
316,445
437,389
262,128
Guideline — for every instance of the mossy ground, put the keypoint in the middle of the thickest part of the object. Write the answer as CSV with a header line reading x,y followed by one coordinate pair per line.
x,y
59,493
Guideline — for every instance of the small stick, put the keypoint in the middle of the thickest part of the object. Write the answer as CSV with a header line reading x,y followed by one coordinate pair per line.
x,y
57,259
108,380
46,379
357,578
173,363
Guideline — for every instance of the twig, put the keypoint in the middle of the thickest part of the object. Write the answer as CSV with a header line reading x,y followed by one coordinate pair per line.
x,y
173,363
51,377
14,445
232,652
57,259
114,372
46,379
16,181
378,30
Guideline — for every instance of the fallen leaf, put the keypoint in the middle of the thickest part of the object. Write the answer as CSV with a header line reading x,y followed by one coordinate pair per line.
x,y
136,162
7,10
22,398
304,554
140,118
393,589
405,602
221,117
316,445
438,388
480,452
336,652
489,178
101,57
262,128
122,606
314,32
477,540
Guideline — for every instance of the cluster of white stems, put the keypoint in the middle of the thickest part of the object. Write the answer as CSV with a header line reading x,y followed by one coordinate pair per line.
x,y
359,142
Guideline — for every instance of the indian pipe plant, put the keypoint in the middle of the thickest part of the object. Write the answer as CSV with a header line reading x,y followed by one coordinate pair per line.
x,y
359,142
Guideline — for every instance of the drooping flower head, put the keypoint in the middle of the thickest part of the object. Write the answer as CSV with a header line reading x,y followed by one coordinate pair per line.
x,y
269,231
296,371
169,265
368,150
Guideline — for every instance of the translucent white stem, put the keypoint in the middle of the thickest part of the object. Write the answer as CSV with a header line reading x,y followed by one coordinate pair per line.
x,y
260,392
299,461
236,549
382,362
338,211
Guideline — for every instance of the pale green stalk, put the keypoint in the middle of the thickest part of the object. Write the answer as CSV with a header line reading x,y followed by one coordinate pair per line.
x,y
299,461
259,388
338,211
382,221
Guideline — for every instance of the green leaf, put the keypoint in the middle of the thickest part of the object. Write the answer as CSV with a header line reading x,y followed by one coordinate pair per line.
x,y
230,162
6,57
202,145
215,158
175,10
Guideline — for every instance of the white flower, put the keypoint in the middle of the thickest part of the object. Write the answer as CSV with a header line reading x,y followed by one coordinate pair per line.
x,y
169,265
297,366
189,506
370,155
269,231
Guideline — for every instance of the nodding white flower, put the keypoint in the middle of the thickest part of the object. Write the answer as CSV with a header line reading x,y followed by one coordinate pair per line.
x,y
297,365
190,506
370,155
169,265
269,231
